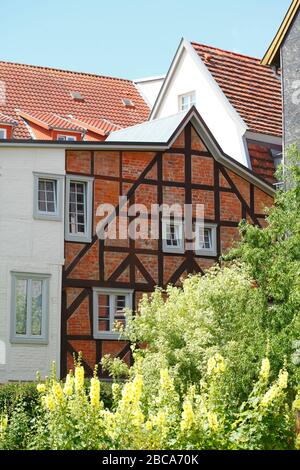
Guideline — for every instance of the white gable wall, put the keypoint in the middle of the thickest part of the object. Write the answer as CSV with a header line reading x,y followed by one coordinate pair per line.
x,y
28,246
188,73
150,88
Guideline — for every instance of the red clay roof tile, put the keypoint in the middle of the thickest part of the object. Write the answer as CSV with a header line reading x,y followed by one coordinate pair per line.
x,y
51,121
40,89
253,89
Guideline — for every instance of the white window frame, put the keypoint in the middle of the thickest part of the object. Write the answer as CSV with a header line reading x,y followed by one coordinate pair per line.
x,y
112,293
67,138
29,338
204,251
85,237
4,133
192,100
169,249
58,214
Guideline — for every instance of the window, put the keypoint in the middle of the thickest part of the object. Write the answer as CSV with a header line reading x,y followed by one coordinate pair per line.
x,y
79,209
3,133
206,240
29,302
67,138
173,241
48,196
109,310
187,101
277,158
128,103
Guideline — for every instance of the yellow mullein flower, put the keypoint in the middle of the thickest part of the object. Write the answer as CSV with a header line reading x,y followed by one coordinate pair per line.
x,y
265,369
3,424
149,426
95,392
187,416
216,365
49,402
296,404
160,419
69,384
283,379
41,388
57,392
297,443
79,378
213,422
116,389
137,418
269,396
137,387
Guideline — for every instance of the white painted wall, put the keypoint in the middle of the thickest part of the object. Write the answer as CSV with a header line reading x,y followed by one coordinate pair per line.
x,y
29,246
150,88
188,74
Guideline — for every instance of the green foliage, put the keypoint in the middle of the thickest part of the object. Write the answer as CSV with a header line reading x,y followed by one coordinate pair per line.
x,y
72,416
197,381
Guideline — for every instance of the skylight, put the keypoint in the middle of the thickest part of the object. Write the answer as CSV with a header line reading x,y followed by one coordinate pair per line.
x,y
77,96
128,103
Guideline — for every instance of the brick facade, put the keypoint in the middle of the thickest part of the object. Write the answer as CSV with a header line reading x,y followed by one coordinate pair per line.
x,y
185,173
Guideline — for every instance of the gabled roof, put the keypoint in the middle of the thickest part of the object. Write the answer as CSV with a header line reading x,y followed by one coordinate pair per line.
x,y
252,89
50,121
165,131
40,89
272,56
157,130
7,120
98,126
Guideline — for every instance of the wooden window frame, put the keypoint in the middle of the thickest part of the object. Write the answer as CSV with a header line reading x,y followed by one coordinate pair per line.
x,y
58,214
205,251
112,293
28,337
166,248
85,237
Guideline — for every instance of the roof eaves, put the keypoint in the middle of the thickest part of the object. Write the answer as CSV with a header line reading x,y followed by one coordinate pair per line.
x,y
272,55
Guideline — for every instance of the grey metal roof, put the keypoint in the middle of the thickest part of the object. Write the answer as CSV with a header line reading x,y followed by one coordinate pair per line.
x,y
158,130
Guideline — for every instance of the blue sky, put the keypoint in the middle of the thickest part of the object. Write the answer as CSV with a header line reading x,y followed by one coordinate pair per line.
x,y
131,38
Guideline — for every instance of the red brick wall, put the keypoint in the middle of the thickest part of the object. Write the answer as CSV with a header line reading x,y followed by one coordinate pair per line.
x,y
114,175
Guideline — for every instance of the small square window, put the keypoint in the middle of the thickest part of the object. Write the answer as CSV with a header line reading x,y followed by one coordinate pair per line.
x,y
66,138
79,209
109,311
173,236
3,133
29,312
206,240
187,101
48,196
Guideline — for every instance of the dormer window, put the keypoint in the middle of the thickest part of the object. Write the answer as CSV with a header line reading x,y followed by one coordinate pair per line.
x,y
3,134
186,101
66,138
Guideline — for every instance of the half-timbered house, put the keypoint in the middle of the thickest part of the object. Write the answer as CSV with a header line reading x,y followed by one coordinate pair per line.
x,y
166,161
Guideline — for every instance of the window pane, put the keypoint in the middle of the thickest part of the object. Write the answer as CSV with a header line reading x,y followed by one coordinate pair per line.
x,y
205,239
172,235
21,306
47,195
77,208
37,308
103,312
120,310
2,134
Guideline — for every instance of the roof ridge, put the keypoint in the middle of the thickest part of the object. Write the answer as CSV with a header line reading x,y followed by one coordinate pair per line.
x,y
225,50
42,67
